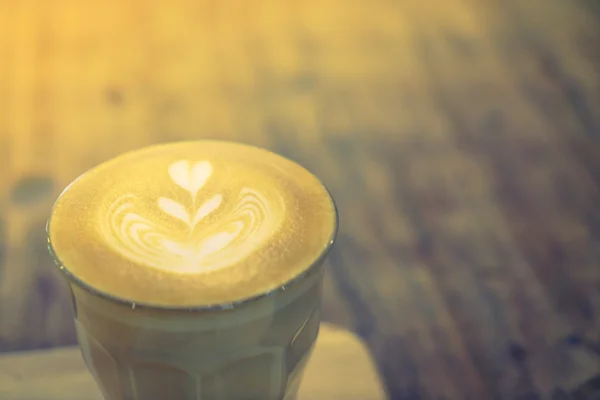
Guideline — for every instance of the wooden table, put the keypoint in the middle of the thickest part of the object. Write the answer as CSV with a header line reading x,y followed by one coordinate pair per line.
x,y
461,139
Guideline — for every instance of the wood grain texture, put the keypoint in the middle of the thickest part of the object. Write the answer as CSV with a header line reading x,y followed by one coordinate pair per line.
x,y
61,374
460,139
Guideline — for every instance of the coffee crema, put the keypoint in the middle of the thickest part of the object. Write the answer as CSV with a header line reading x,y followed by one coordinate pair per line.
x,y
192,224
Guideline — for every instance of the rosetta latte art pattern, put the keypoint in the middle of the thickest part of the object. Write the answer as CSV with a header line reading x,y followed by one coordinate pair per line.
x,y
151,240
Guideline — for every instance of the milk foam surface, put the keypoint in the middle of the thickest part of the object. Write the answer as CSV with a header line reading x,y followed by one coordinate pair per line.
x,y
192,223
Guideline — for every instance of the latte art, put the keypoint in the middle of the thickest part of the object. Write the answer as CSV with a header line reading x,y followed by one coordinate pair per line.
x,y
201,247
192,223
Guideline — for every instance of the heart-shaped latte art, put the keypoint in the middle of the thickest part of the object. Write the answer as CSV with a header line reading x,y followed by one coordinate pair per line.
x,y
190,177
150,241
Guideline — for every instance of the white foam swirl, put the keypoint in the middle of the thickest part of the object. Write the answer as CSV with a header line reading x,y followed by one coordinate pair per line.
x,y
231,237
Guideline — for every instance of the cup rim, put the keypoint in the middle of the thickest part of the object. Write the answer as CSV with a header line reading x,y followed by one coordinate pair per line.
x,y
314,266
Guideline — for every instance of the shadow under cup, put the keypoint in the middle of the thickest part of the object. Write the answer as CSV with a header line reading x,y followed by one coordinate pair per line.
x,y
255,349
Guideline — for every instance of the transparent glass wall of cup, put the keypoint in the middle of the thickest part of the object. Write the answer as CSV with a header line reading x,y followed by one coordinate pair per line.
x,y
256,349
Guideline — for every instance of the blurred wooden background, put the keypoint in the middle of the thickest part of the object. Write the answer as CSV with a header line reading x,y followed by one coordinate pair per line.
x,y
461,139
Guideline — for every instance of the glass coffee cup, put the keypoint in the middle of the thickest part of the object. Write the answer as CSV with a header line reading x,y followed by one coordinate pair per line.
x,y
196,270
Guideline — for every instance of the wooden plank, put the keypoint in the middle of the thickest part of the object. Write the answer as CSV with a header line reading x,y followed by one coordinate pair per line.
x,y
340,369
